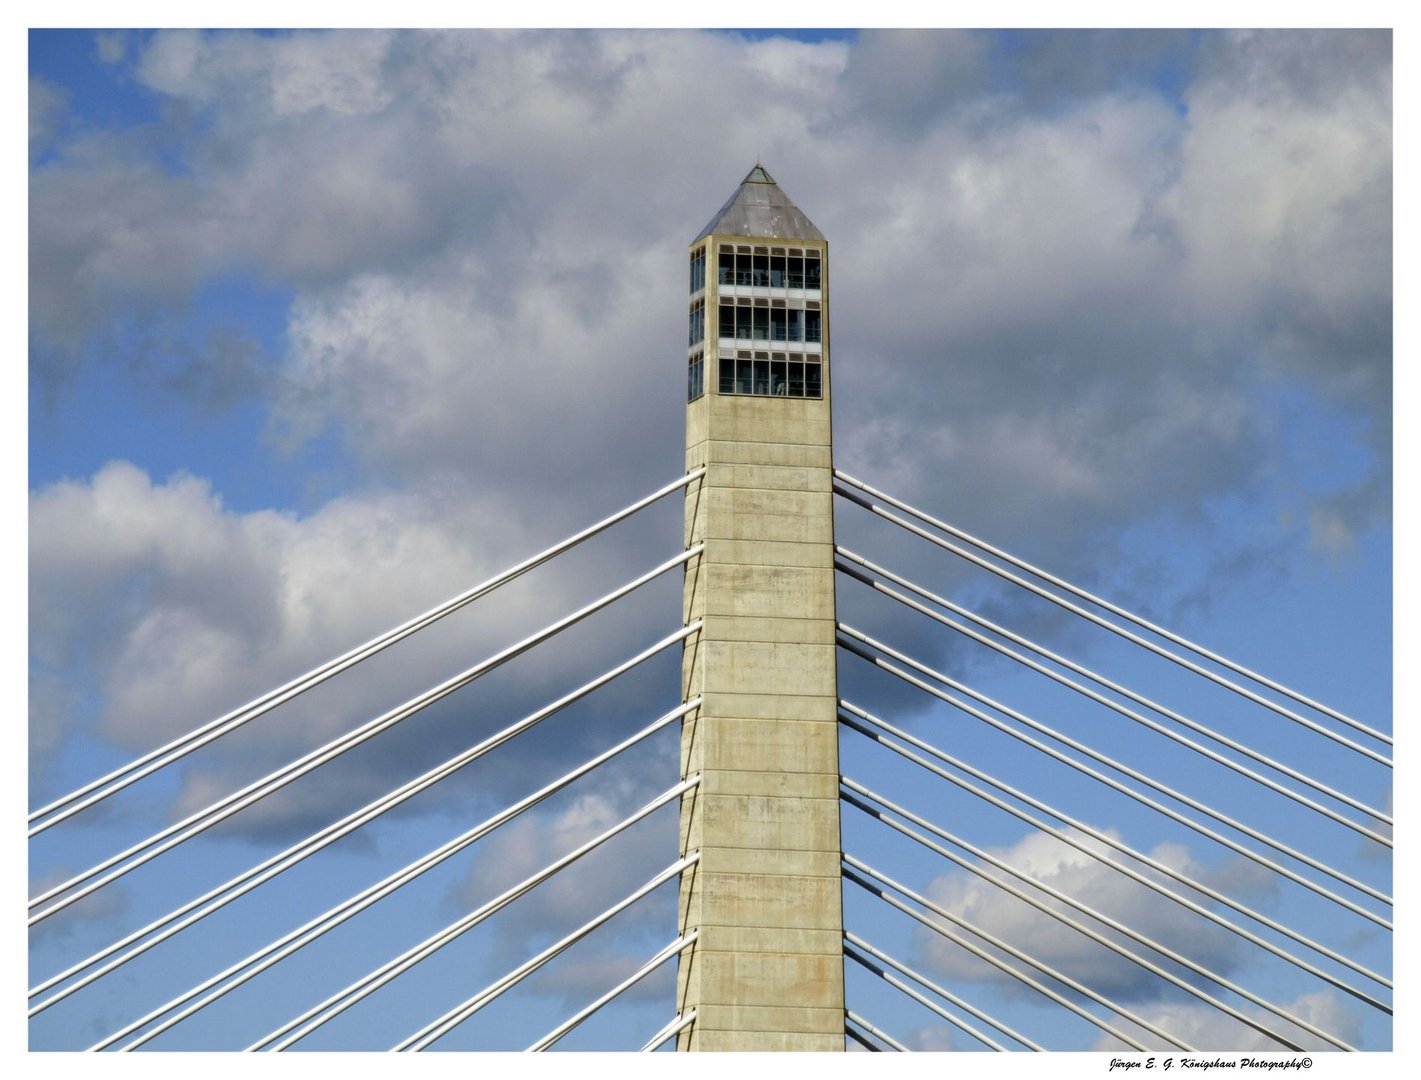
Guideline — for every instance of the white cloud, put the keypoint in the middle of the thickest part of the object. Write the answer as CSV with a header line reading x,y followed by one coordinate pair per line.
x,y
1076,301
338,73
180,609
931,1040
1056,311
112,46
1210,1030
1095,883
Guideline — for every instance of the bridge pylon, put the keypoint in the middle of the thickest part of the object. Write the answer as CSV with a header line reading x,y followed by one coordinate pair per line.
x,y
766,972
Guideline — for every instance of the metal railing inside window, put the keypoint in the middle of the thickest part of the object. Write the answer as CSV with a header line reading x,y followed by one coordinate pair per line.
x,y
767,272
770,378
769,324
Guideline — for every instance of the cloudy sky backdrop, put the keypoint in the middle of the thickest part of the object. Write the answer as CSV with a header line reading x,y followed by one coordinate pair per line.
x,y
325,327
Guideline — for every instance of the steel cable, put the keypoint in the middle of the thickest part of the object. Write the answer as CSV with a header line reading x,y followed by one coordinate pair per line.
x,y
1090,912
1135,638
437,1029
1101,680
676,1025
258,875
1113,608
631,980
315,928
1134,774
847,718
853,941
877,1033
199,822
852,865
319,1015
185,744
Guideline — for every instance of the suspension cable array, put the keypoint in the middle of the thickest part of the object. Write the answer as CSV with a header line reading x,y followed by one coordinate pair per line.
x,y
1114,628
132,1034
1189,887
1090,784
848,642
1099,602
854,949
217,898
1076,829
337,1003
101,788
193,825
673,949
437,1029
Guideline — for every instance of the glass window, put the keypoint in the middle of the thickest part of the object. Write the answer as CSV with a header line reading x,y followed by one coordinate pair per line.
x,y
762,323
762,376
761,270
795,272
777,271
697,332
695,379
727,320
811,272
742,323
725,268
811,326
779,324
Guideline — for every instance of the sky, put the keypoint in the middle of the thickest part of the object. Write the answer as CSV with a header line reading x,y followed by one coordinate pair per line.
x,y
325,327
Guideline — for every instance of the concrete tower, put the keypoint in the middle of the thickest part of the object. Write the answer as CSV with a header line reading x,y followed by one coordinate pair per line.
x,y
767,970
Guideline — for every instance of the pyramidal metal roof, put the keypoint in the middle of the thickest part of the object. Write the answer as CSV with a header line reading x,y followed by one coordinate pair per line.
x,y
760,208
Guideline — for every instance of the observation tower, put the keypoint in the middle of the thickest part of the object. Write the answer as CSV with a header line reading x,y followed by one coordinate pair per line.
x,y
766,972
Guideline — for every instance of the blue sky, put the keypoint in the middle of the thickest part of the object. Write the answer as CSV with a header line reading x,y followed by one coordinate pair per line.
x,y
324,327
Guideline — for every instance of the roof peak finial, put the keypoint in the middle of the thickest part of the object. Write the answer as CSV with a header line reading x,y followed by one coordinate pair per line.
x,y
759,207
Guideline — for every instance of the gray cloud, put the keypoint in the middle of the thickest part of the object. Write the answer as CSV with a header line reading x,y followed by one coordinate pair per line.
x,y
1087,280
1064,313
911,81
